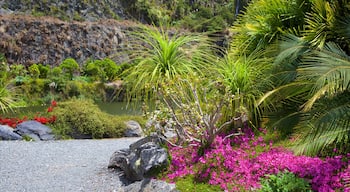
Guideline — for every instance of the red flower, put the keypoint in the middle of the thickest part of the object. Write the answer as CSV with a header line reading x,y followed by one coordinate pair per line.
x,y
53,103
49,109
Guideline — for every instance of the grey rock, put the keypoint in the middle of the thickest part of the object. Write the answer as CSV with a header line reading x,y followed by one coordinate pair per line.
x,y
35,130
150,185
142,157
6,133
133,129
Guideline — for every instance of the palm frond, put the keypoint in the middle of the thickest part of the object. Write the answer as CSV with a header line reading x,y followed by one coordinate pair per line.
x,y
320,23
7,101
329,70
264,21
326,126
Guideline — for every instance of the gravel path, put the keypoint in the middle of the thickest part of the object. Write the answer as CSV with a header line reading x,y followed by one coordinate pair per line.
x,y
59,166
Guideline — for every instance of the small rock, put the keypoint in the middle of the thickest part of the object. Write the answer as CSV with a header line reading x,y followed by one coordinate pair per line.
x,y
140,159
35,130
133,129
6,133
150,185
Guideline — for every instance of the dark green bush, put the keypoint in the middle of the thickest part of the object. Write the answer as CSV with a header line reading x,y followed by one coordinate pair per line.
x,y
44,70
77,118
102,70
284,182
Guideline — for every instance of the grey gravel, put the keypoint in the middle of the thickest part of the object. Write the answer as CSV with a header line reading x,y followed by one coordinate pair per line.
x,y
59,166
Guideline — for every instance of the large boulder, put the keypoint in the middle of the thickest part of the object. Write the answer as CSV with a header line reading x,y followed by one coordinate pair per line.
x,y
6,133
141,159
35,130
149,185
133,129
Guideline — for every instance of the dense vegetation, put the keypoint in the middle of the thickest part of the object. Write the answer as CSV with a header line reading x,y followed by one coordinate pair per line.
x,y
204,15
287,69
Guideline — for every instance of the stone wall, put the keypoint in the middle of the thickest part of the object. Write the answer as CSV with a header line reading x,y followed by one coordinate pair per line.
x,y
27,40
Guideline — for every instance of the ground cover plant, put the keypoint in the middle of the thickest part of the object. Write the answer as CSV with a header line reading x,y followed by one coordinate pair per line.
x,y
246,162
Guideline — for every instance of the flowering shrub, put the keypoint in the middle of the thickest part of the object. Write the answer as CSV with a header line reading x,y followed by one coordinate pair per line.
x,y
235,165
12,122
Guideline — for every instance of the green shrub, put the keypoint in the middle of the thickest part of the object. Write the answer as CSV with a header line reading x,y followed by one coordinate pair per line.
x,y
44,70
69,66
17,70
284,182
82,118
34,71
102,70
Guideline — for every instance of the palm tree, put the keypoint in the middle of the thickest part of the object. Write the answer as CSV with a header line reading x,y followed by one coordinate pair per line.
x,y
264,21
320,96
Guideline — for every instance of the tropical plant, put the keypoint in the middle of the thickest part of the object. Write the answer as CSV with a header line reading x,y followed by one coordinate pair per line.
x,y
161,57
196,107
320,91
310,76
264,21
245,78
7,101
327,107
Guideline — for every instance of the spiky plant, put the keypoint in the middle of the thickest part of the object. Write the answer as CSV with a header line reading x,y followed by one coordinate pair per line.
x,y
245,78
160,56
7,101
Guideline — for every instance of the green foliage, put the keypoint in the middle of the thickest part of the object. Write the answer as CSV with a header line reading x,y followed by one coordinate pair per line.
x,y
44,70
69,66
34,71
246,79
76,118
17,70
264,21
160,58
284,182
189,184
104,70
7,99
196,105
209,15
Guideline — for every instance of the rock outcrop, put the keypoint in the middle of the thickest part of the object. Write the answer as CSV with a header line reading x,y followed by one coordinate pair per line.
x,y
141,159
138,163
28,40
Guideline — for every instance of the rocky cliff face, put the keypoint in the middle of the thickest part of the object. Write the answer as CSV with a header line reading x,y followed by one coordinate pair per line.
x,y
68,10
27,40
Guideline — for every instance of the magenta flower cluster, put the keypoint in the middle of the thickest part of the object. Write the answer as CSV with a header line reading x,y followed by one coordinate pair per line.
x,y
239,163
